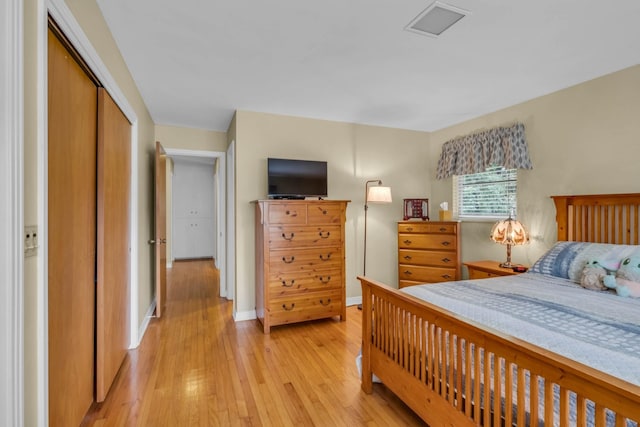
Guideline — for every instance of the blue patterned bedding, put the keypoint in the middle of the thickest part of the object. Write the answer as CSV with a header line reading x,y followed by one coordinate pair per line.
x,y
598,329
594,328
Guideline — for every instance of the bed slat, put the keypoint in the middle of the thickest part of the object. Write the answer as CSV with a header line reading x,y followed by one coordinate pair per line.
x,y
582,410
497,389
535,389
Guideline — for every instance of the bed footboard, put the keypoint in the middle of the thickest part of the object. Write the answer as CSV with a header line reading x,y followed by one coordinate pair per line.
x,y
452,372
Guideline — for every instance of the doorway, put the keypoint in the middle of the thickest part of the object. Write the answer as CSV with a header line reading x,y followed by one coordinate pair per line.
x,y
220,206
192,199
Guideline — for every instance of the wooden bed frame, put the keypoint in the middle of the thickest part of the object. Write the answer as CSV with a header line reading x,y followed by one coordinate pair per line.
x,y
404,338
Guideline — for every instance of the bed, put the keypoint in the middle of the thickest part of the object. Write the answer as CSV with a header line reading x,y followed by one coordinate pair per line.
x,y
454,369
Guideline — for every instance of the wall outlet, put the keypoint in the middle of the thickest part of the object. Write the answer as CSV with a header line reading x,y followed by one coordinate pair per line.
x,y
30,240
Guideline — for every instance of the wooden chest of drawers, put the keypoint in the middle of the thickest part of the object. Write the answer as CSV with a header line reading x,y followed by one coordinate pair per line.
x,y
300,270
428,252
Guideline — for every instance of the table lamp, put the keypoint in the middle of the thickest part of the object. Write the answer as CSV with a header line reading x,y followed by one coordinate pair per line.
x,y
509,232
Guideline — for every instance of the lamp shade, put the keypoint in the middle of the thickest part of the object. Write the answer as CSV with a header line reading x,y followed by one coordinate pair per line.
x,y
379,195
509,232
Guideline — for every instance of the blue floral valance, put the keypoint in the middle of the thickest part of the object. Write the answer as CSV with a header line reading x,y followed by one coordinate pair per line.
x,y
501,146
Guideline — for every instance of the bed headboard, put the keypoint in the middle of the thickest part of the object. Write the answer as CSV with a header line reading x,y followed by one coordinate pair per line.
x,y
600,218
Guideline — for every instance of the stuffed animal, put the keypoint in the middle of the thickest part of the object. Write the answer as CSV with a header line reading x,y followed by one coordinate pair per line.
x,y
593,275
626,282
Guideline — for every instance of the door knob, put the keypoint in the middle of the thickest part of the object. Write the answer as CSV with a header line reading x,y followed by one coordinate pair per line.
x,y
151,241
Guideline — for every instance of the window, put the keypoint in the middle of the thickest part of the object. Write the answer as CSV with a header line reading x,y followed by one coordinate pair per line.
x,y
486,195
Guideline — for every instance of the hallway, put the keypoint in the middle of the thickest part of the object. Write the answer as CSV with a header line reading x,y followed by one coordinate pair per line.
x,y
197,367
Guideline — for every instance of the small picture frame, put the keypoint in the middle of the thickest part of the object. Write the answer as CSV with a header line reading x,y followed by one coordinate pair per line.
x,y
416,208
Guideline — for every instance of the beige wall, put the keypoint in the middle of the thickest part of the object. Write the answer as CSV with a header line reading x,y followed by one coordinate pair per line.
x,y
355,153
584,139
191,139
90,19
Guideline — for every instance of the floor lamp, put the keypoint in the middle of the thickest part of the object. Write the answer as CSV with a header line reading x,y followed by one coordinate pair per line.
x,y
373,194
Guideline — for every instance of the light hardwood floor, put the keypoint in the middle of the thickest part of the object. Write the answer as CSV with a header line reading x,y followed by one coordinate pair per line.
x,y
197,367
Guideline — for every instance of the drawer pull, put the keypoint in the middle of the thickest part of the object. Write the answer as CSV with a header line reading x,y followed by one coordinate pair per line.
x,y
407,242
443,229
446,260
323,258
288,238
324,212
324,279
446,243
408,272
284,283
289,261
292,213
408,257
324,234
325,303
293,304
409,228
446,276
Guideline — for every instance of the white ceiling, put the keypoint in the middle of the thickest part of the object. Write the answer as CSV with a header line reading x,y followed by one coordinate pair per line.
x,y
197,61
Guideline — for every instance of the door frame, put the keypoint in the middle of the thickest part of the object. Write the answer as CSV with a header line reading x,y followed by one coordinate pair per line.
x,y
220,199
67,23
12,213
231,223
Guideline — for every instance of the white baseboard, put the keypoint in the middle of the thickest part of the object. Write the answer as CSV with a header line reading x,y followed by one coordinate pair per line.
x,y
244,315
354,300
145,323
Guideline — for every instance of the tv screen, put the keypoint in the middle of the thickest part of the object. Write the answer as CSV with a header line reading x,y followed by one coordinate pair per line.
x,y
296,179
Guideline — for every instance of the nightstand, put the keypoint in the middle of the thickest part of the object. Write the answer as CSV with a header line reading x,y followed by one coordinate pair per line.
x,y
486,269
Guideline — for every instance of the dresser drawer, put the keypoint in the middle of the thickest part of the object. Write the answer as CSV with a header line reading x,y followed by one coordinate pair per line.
x,y
290,236
287,213
427,241
429,258
324,213
316,305
426,227
425,274
479,274
296,260
304,282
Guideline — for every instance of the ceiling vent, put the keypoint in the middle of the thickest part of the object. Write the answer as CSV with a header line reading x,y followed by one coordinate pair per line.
x,y
435,19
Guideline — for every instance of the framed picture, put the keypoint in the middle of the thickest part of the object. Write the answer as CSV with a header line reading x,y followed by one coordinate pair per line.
x,y
416,208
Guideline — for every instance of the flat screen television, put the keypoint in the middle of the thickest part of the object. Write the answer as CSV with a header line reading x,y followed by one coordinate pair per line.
x,y
296,179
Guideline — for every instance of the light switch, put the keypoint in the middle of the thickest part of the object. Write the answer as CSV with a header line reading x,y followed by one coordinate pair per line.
x,y
30,240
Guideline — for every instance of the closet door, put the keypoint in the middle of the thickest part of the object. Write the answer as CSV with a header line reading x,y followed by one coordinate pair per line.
x,y
72,115
112,285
